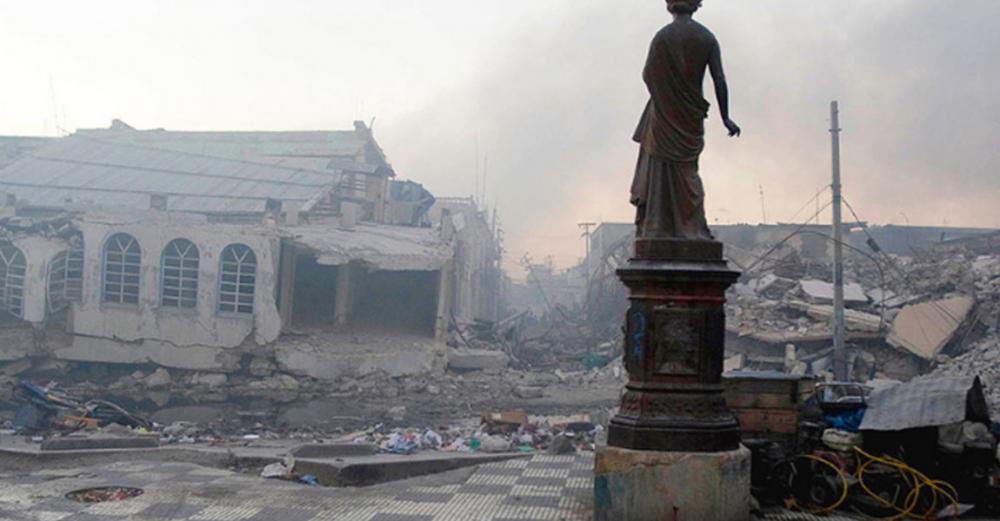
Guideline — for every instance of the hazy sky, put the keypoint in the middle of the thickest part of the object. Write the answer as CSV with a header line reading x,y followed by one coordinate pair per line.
x,y
551,91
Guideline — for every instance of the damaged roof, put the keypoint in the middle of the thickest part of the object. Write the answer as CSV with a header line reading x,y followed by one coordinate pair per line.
x,y
381,247
13,148
75,171
335,150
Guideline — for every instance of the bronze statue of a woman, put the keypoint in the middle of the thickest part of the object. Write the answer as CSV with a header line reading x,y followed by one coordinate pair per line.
x,y
667,190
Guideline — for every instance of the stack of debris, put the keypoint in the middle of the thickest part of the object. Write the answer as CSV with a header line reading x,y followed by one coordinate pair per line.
x,y
562,339
904,314
982,359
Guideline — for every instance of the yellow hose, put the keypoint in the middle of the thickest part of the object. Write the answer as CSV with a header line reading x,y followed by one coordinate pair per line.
x,y
836,504
910,475
920,482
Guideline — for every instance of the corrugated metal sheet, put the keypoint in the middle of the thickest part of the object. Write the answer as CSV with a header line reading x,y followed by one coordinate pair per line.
x,y
297,149
77,170
13,148
346,143
379,247
924,402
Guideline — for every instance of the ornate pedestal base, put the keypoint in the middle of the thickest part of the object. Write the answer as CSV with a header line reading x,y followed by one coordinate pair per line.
x,y
674,347
655,486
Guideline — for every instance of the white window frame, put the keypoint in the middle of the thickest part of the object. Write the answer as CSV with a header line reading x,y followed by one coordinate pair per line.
x,y
237,280
179,265
65,280
121,268
13,267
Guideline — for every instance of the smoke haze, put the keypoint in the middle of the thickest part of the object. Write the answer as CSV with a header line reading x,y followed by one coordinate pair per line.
x,y
550,93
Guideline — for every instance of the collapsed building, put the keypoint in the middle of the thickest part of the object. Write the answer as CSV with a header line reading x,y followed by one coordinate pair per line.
x,y
220,252
916,297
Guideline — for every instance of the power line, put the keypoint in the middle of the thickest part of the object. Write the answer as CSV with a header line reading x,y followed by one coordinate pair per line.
x,y
783,241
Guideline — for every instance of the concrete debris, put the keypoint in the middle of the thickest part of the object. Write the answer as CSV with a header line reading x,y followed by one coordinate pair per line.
x,y
561,444
280,469
819,292
982,359
210,380
905,313
260,366
477,360
397,413
853,320
924,329
529,392
159,378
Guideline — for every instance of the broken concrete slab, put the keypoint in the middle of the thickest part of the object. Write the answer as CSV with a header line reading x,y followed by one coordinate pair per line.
x,y
334,356
529,392
819,292
369,470
733,363
159,378
211,380
477,359
925,329
106,350
853,319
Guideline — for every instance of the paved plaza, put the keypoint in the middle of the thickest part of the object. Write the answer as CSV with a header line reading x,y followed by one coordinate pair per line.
x,y
540,488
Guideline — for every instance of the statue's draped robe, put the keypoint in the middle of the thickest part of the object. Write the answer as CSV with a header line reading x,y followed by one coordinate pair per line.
x,y
667,190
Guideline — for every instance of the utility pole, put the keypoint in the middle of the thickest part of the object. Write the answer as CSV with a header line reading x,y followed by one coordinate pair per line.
x,y
839,352
586,235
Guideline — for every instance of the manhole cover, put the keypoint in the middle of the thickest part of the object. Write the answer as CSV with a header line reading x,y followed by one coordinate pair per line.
x,y
104,494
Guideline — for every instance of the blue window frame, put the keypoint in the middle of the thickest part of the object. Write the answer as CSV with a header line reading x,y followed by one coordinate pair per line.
x,y
121,270
237,279
179,275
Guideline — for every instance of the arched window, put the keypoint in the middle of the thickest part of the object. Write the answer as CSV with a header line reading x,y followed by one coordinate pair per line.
x,y
66,278
179,275
12,268
122,262
237,279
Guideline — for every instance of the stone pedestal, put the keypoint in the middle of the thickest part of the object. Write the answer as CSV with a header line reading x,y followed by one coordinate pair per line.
x,y
631,485
674,346
674,447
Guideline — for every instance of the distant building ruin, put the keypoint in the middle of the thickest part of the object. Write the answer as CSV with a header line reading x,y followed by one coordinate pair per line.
x,y
199,250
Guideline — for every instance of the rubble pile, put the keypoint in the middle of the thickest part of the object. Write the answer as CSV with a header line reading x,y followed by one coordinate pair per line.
x,y
904,315
56,226
560,339
983,359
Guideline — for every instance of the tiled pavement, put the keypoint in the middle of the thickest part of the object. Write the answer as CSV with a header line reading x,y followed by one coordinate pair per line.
x,y
541,488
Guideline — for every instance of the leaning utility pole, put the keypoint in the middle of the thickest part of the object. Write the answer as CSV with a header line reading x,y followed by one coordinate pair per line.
x,y
839,352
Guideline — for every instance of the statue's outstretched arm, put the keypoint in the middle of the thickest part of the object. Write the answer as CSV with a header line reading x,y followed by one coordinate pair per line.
x,y
722,90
